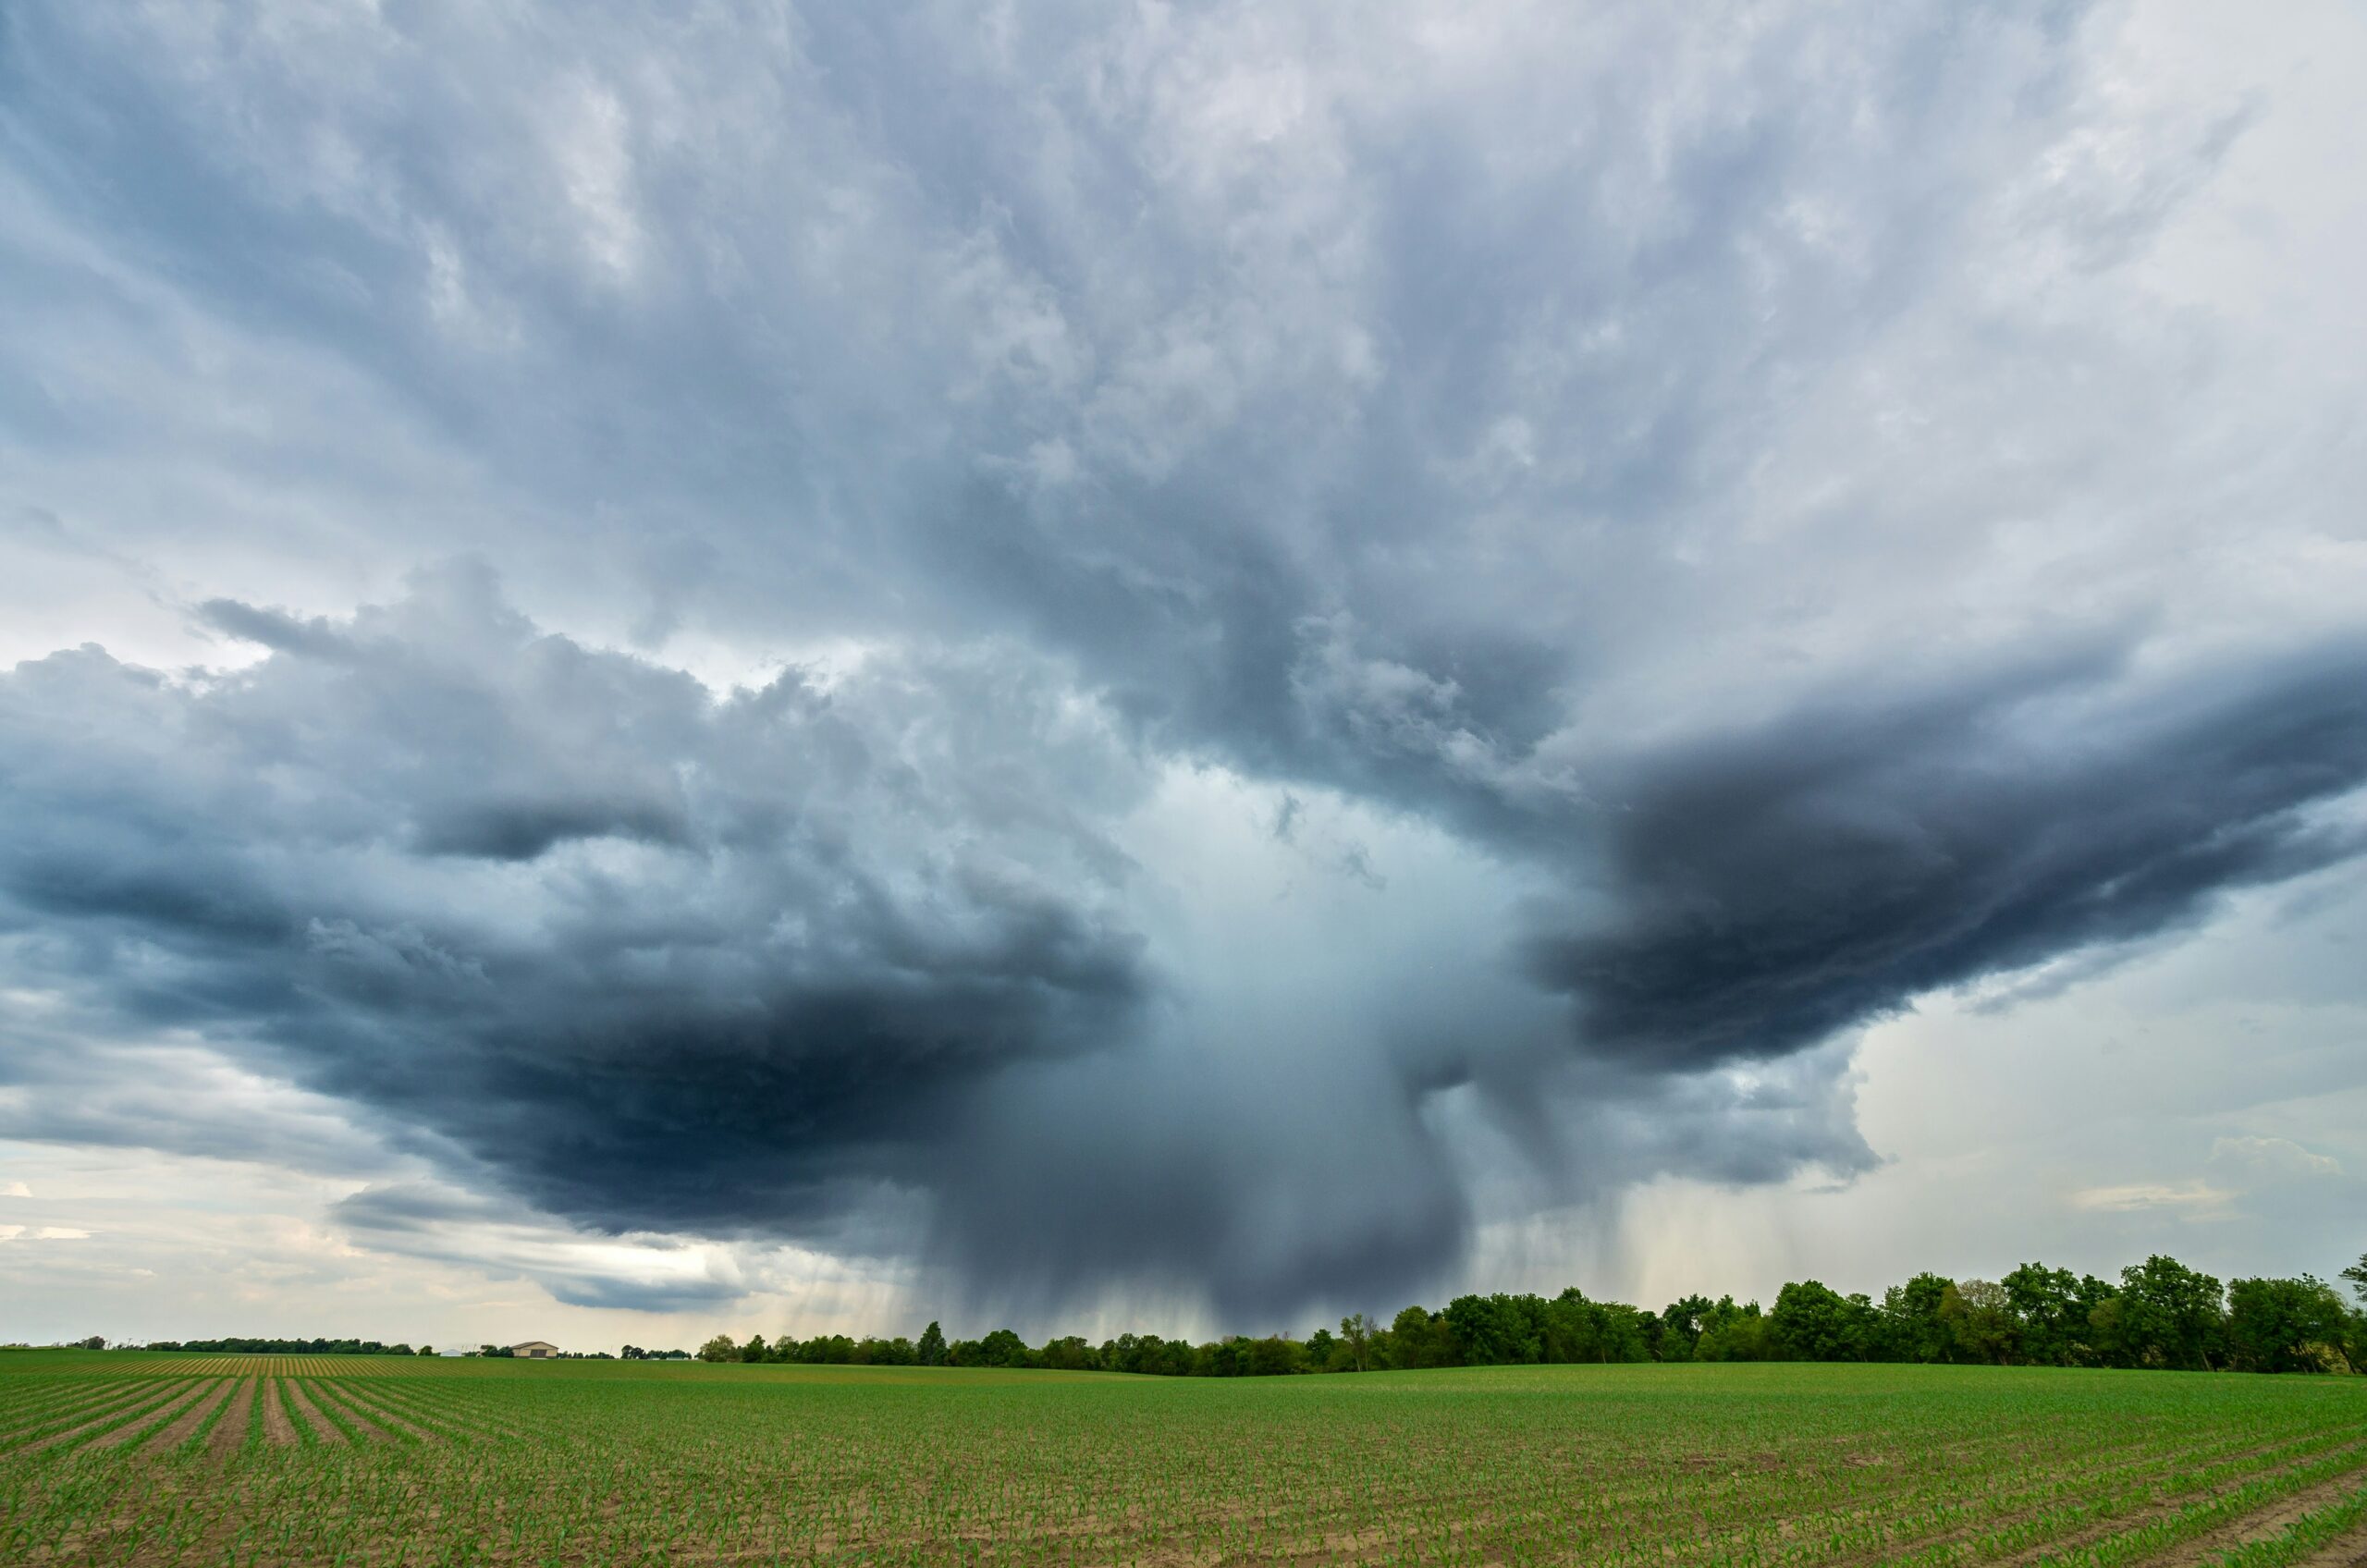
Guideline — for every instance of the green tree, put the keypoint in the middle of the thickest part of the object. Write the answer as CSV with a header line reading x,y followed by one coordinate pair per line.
x,y
1419,1339
2287,1326
1068,1355
1681,1324
1911,1329
2357,1275
1813,1322
1357,1331
2167,1315
1980,1316
1734,1333
719,1348
1002,1348
1498,1330
932,1346
2054,1311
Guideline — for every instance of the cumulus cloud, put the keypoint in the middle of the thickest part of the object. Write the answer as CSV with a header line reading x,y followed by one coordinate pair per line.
x,y
1311,633
663,958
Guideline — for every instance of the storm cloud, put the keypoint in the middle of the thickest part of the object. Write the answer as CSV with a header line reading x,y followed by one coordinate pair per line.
x,y
1179,654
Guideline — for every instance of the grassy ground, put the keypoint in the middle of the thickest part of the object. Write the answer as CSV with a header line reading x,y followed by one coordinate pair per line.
x,y
226,1460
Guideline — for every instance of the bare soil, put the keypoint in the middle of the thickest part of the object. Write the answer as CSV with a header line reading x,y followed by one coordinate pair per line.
x,y
323,1427
2344,1551
277,1430
183,1427
2271,1521
76,1433
378,1414
328,1396
231,1430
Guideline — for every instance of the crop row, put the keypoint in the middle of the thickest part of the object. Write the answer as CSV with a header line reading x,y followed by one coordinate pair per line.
x,y
1770,1467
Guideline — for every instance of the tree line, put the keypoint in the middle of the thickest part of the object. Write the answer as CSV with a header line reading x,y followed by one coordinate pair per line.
x,y
284,1347
2159,1313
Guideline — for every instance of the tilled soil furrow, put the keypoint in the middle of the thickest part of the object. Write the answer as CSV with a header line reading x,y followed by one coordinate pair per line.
x,y
323,1427
231,1432
157,1399
277,1430
2348,1550
2273,1520
455,1415
109,1403
331,1402
146,1420
386,1420
185,1425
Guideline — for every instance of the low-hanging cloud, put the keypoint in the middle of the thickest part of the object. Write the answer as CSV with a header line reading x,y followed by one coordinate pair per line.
x,y
412,864
1767,888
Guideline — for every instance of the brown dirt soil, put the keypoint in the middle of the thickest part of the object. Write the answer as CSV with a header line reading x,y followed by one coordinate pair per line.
x,y
277,1430
163,1415
231,1430
323,1427
2140,1517
101,1419
180,1430
2270,1521
328,1396
379,1415
90,1410
2344,1551
468,1422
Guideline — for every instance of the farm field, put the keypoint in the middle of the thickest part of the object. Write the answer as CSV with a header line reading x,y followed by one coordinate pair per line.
x,y
126,1457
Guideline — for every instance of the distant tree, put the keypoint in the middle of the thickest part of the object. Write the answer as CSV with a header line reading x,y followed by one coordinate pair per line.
x,y
2054,1313
1002,1348
1070,1354
755,1349
2287,1326
425,1348
1813,1322
719,1348
2357,1275
1356,1332
1911,1329
1980,1316
96,1342
2169,1315
932,1346
1420,1338
1734,1333
1681,1324
1496,1331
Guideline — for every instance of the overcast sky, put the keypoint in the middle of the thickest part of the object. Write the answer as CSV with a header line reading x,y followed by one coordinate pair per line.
x,y
1179,665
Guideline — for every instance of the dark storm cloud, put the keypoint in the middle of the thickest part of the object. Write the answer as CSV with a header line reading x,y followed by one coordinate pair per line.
x,y
414,864
1768,889
1508,427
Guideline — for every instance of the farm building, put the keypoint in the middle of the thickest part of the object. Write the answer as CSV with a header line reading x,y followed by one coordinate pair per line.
x,y
535,1350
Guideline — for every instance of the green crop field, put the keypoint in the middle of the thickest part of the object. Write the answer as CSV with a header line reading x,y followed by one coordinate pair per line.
x,y
110,1457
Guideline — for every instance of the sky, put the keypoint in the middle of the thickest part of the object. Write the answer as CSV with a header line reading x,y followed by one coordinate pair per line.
x,y
785,668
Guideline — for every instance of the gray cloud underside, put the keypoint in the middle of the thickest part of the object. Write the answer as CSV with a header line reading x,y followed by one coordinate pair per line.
x,y
1739,479
731,965
1771,888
